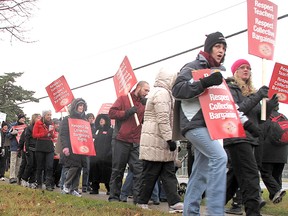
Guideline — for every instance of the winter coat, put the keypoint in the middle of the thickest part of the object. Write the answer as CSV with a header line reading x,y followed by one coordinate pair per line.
x,y
12,137
250,106
72,160
186,92
126,130
102,140
272,153
30,142
158,121
21,143
43,137
3,139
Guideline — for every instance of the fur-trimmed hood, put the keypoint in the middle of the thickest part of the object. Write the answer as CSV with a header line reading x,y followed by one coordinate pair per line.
x,y
107,121
73,108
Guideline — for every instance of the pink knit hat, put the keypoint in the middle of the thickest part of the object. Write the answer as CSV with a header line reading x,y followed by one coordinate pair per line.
x,y
238,63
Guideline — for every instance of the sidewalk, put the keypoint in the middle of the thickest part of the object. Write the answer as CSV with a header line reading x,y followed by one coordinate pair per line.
x,y
162,207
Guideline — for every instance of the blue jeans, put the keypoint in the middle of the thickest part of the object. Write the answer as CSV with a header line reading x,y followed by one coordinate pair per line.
x,y
155,193
126,189
208,175
63,176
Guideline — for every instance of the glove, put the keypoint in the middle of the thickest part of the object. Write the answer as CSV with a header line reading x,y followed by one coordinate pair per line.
x,y
263,92
130,111
14,132
172,145
66,151
272,103
251,128
214,79
27,153
19,153
143,101
2,152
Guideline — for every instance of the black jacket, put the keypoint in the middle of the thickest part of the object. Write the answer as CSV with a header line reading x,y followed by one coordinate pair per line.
x,y
250,106
102,140
272,153
73,160
186,92
30,142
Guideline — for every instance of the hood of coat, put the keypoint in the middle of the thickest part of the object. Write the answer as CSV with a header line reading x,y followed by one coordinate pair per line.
x,y
73,108
106,118
165,79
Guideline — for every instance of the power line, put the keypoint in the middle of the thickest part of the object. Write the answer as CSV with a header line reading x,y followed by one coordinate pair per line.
x,y
149,64
168,30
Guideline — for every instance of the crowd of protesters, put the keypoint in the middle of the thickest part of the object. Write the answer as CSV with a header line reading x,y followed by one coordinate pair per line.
x,y
147,126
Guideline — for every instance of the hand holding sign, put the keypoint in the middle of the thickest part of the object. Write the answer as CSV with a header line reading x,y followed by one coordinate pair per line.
x,y
213,79
124,80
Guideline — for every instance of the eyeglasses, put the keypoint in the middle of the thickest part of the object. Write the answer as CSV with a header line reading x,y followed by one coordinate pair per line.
x,y
243,67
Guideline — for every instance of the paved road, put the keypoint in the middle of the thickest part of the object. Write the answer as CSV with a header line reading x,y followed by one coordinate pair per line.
x,y
162,207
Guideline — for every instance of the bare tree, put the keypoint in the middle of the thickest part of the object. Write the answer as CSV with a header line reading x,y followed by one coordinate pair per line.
x,y
14,14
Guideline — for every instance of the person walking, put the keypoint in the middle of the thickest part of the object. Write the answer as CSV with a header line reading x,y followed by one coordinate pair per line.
x,y
126,139
101,164
43,131
72,162
15,156
209,168
3,150
274,158
29,174
241,150
86,184
157,147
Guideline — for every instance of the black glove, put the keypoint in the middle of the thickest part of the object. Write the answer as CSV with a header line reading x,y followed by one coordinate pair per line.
x,y
251,128
263,92
215,78
2,153
130,111
27,153
172,145
272,103
143,101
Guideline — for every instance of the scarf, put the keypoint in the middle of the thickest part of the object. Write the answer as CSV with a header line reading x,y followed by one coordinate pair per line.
x,y
210,60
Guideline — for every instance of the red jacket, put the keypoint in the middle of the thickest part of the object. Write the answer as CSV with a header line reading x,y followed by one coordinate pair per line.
x,y
126,129
40,131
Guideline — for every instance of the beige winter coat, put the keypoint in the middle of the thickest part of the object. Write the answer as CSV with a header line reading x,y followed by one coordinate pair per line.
x,y
158,120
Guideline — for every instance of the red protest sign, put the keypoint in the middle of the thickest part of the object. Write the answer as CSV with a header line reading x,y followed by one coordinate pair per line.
x,y
219,110
59,93
81,137
279,82
262,25
104,109
124,79
20,129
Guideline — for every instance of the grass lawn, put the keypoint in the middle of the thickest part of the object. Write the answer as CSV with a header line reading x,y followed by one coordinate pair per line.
x,y
16,200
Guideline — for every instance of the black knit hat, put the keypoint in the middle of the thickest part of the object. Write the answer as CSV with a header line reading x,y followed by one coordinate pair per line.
x,y
21,115
3,124
212,39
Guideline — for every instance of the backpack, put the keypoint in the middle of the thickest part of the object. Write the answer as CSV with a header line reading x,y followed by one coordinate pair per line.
x,y
278,132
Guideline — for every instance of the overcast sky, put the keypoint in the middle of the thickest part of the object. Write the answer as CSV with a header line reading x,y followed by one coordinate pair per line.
x,y
87,40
